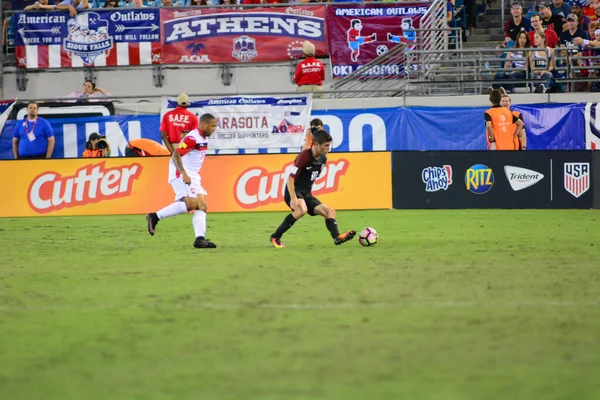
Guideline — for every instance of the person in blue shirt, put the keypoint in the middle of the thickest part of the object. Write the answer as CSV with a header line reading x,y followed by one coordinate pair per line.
x,y
33,137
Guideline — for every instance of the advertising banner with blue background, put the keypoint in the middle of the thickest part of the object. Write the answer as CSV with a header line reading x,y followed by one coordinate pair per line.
x,y
92,38
549,127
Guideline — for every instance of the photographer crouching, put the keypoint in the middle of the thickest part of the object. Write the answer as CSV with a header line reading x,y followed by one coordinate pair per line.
x,y
96,146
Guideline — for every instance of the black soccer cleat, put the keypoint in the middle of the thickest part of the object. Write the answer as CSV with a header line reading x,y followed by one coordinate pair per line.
x,y
152,220
344,237
202,243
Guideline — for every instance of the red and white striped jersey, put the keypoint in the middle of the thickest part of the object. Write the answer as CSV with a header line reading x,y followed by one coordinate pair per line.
x,y
193,151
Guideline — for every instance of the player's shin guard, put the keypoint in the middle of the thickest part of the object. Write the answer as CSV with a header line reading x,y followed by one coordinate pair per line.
x,y
287,223
332,227
171,210
199,221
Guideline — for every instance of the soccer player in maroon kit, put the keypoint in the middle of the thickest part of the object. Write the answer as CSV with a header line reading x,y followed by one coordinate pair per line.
x,y
176,122
298,192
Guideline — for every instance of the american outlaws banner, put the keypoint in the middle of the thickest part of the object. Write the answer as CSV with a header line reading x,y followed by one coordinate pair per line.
x,y
93,38
254,122
358,34
232,36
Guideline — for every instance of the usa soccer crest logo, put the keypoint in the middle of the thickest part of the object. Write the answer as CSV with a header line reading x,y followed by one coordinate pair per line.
x,y
577,178
88,37
244,48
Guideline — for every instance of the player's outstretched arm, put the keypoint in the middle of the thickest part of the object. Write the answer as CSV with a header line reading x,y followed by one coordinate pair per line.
x,y
307,142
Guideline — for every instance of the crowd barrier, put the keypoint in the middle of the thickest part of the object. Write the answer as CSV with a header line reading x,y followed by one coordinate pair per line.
x,y
139,185
496,179
566,126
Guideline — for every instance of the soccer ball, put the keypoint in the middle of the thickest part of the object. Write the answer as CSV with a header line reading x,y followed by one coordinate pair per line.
x,y
368,237
381,49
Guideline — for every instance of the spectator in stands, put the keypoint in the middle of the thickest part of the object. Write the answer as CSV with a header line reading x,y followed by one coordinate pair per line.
x,y
177,123
96,147
197,3
593,61
33,138
516,59
166,3
77,4
567,40
567,37
111,4
596,16
88,90
577,7
518,23
310,72
542,63
560,8
138,4
588,10
551,37
549,20
43,5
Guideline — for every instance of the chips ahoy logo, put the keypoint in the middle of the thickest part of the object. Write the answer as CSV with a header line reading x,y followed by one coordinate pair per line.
x,y
437,178
479,179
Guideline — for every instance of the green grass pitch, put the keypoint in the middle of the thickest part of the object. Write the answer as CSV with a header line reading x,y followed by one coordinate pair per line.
x,y
450,305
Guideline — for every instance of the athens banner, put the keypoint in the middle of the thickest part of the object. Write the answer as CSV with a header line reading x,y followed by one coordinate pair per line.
x,y
93,38
254,122
139,185
232,36
358,34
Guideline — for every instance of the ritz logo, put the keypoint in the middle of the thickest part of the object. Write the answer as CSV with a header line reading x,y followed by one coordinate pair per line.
x,y
479,179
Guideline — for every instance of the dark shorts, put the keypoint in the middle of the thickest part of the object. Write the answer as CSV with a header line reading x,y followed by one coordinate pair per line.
x,y
311,201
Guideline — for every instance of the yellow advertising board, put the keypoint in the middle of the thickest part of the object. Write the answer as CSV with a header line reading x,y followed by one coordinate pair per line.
x,y
139,185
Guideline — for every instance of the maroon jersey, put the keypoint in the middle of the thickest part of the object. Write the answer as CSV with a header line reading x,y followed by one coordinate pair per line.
x,y
306,170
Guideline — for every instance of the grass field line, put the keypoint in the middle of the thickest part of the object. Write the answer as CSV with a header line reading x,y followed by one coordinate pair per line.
x,y
309,307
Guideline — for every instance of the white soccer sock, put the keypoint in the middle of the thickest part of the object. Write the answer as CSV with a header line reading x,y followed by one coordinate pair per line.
x,y
199,222
173,209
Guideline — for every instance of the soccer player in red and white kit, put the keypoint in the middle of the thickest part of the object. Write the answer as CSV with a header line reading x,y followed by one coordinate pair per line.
x,y
184,177
177,122
298,193
310,72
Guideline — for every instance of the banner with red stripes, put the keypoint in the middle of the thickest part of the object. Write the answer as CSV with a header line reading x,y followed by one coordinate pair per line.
x,y
90,39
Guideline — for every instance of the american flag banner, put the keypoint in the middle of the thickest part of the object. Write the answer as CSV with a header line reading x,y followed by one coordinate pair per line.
x,y
90,39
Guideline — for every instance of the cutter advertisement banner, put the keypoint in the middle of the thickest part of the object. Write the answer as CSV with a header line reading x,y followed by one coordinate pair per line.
x,y
140,185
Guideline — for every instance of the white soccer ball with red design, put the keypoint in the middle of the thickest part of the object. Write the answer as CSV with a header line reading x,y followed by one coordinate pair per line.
x,y
368,237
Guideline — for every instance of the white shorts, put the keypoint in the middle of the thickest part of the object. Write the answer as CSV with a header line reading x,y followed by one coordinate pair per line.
x,y
182,189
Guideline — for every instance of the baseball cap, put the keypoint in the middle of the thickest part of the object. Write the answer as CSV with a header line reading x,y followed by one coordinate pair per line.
x,y
516,5
572,17
96,136
308,48
542,4
183,100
